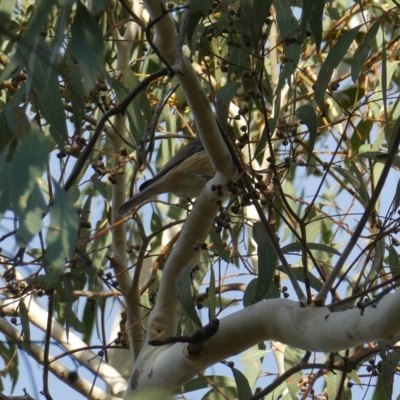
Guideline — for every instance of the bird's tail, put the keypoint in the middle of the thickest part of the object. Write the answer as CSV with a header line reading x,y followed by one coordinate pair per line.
x,y
133,202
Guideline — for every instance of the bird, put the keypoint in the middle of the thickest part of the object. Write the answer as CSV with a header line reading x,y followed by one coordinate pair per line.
x,y
184,175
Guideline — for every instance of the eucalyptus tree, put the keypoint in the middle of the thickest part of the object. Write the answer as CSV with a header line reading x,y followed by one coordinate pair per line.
x,y
280,278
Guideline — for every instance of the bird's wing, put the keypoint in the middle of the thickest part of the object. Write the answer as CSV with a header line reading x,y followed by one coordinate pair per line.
x,y
195,146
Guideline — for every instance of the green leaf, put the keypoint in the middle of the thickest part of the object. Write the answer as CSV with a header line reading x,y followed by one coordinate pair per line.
x,y
87,46
28,165
98,5
242,385
88,319
292,358
17,121
314,282
133,113
30,222
195,31
307,115
97,183
224,97
218,245
333,60
201,383
380,391
384,78
306,13
334,384
252,360
288,28
150,393
47,89
363,192
298,247
5,184
267,261
396,201
260,11
363,50
251,290
26,331
200,6
61,235
141,100
316,20
183,287
390,361
10,357
77,98
38,20
7,139
212,306
380,157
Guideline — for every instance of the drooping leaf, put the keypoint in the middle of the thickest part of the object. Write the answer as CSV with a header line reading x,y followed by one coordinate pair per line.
x,y
5,184
362,187
47,89
61,235
297,247
242,385
201,383
77,98
200,6
306,13
218,245
87,46
292,357
133,113
88,319
316,20
384,78
97,183
141,100
396,201
252,360
38,19
267,261
332,61
250,292
27,201
336,384
314,282
224,97
195,31
183,287
307,115
17,121
23,313
363,50
150,393
7,139
212,299
261,10
394,261
30,222
288,28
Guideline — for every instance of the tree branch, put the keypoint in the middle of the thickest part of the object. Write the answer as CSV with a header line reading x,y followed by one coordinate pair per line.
x,y
316,329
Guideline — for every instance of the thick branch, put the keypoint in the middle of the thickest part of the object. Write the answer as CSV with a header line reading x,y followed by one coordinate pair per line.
x,y
307,328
